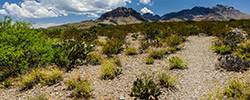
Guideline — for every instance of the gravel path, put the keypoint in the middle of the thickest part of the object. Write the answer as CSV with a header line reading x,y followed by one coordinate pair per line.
x,y
200,75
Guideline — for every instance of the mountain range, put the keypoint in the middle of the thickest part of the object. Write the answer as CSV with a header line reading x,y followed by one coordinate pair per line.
x,y
123,15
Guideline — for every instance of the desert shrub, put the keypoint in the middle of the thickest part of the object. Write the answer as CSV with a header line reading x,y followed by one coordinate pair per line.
x,y
151,34
237,90
41,75
22,48
233,63
109,70
145,88
80,86
243,50
112,46
220,48
157,54
39,97
117,61
166,80
176,63
174,40
172,49
149,60
144,45
94,59
130,51
6,83
135,36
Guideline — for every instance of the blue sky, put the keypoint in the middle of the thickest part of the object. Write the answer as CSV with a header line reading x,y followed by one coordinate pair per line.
x,y
52,12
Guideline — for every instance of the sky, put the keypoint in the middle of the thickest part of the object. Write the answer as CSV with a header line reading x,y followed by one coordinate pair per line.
x,y
45,13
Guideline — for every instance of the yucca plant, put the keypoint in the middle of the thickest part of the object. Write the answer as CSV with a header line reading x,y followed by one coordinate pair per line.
x,y
145,88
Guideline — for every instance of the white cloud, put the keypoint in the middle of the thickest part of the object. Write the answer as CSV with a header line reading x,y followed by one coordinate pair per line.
x,y
146,10
3,12
146,2
55,8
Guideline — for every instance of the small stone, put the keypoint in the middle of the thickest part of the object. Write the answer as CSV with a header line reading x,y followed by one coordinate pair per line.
x,y
121,98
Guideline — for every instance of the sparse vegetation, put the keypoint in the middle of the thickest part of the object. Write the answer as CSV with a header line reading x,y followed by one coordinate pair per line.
x,y
166,80
41,75
236,90
149,60
40,97
157,54
81,87
94,59
130,51
174,40
117,61
109,70
176,63
113,46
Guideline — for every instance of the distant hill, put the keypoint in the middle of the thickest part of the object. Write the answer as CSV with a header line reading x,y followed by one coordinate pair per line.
x,y
123,15
219,12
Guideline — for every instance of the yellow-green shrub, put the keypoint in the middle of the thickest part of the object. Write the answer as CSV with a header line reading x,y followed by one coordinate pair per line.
x,y
41,75
94,59
113,46
109,70
166,80
130,51
176,63
174,40
149,60
157,54
81,87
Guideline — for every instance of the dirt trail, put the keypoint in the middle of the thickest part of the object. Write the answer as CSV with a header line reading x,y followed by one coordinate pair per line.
x,y
201,76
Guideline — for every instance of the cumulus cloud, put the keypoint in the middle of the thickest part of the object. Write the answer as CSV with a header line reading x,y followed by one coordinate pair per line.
x,y
146,2
146,10
3,12
55,8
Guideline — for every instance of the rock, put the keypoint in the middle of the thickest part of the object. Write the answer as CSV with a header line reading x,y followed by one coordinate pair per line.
x,y
121,98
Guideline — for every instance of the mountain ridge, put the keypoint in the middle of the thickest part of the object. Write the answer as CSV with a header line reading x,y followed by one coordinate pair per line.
x,y
123,15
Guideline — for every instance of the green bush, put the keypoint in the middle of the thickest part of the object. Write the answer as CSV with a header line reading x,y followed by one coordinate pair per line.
x,y
176,63
109,71
80,86
149,60
157,54
113,46
243,50
174,40
237,90
22,48
145,88
220,48
41,75
131,51
6,83
94,59
166,80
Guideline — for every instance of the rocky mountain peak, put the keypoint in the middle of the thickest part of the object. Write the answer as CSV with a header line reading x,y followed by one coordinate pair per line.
x,y
121,15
